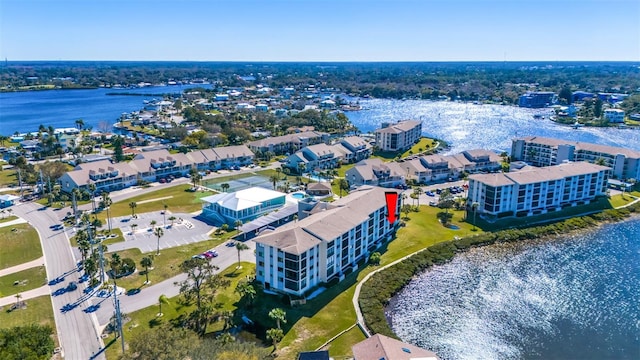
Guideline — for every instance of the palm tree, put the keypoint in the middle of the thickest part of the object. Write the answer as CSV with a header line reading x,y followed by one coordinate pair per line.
x,y
474,207
343,184
240,246
162,300
133,206
106,203
115,263
224,187
133,228
275,335
172,219
237,225
279,316
75,194
164,215
79,124
92,189
274,180
301,167
18,302
146,262
158,232
417,191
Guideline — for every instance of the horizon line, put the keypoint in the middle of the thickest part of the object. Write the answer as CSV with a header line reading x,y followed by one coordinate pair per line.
x,y
6,60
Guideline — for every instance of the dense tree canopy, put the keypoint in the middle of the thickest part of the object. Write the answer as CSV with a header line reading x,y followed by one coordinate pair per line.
x,y
31,342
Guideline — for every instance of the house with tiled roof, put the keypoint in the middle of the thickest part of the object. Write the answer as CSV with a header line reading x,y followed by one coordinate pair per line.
x,y
379,347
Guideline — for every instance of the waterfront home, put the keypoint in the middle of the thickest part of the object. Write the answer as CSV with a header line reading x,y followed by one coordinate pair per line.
x,y
614,115
152,166
533,191
243,205
537,99
376,172
319,189
288,143
541,151
379,347
399,136
328,241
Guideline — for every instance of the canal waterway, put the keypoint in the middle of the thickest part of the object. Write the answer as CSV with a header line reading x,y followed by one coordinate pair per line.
x,y
574,297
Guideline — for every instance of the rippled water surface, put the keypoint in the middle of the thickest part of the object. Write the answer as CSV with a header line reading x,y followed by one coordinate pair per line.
x,y
571,298
468,126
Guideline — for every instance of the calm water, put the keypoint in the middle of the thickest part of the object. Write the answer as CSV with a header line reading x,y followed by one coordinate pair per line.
x,y
25,111
574,298
468,126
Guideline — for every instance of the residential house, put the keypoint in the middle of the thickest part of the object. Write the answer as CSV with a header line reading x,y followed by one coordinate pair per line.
x,y
541,151
328,242
319,189
288,143
537,190
359,148
379,347
321,156
244,205
614,115
376,172
399,136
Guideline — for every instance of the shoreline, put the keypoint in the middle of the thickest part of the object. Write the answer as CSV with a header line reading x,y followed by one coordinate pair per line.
x,y
376,291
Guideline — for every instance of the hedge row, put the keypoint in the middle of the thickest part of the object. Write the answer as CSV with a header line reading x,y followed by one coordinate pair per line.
x,y
382,286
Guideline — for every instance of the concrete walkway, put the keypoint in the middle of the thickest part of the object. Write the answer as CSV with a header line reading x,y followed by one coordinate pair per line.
x,y
33,293
13,222
24,266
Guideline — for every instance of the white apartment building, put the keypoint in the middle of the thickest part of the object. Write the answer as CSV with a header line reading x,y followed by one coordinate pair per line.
x,y
541,151
614,115
399,136
327,241
537,190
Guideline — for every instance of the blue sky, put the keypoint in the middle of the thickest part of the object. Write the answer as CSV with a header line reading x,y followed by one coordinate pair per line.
x,y
329,30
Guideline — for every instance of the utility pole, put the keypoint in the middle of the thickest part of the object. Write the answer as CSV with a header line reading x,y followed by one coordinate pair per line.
x,y
118,315
101,261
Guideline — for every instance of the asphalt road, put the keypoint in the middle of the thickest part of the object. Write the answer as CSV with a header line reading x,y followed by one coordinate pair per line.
x,y
77,331
148,296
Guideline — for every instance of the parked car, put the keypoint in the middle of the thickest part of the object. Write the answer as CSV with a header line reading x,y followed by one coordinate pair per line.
x,y
430,193
162,181
230,244
207,255
72,286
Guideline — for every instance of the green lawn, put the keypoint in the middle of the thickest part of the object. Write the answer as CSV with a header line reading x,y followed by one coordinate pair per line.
x,y
147,318
166,265
179,199
28,279
8,178
340,348
39,311
8,218
425,145
18,244
620,200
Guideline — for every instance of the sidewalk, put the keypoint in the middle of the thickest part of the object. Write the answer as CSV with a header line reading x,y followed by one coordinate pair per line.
x,y
33,293
24,266
13,222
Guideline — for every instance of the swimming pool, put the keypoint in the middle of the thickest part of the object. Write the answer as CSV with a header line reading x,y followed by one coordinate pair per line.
x,y
298,195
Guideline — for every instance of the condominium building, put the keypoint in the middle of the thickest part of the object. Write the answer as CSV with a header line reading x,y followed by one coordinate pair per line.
x,y
327,241
399,136
152,166
537,190
376,172
541,151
